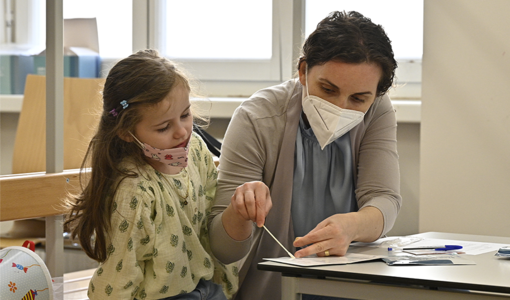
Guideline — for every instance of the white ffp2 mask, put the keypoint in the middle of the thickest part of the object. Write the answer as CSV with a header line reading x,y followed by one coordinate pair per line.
x,y
328,121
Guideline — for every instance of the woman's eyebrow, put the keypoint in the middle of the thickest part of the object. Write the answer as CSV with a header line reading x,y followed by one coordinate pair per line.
x,y
324,80
363,93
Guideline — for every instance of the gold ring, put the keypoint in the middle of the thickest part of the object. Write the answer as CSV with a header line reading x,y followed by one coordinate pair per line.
x,y
326,253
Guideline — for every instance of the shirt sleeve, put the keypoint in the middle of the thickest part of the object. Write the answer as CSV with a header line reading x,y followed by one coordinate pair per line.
x,y
241,150
131,244
378,181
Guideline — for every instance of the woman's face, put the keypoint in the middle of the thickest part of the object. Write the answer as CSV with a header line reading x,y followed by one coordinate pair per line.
x,y
346,85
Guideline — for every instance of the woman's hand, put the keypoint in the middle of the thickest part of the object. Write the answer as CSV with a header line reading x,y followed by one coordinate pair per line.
x,y
335,233
250,203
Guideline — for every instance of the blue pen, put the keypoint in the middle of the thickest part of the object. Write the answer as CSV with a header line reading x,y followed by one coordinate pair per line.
x,y
436,248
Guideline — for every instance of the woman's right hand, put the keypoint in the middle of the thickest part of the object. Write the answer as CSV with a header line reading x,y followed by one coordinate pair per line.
x,y
252,202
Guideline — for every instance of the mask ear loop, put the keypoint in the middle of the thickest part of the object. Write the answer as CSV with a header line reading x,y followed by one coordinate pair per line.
x,y
306,80
139,143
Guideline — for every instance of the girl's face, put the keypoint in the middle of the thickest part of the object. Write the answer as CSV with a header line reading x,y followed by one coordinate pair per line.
x,y
168,124
346,85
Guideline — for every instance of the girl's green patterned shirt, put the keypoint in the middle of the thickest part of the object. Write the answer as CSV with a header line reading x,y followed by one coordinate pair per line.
x,y
158,242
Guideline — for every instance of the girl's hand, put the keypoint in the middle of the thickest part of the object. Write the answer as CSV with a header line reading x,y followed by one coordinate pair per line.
x,y
252,202
334,235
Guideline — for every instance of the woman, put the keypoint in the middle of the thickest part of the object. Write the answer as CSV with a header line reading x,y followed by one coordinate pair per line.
x,y
325,145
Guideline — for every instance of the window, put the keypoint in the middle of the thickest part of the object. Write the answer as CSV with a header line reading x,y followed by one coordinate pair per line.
x,y
219,30
219,40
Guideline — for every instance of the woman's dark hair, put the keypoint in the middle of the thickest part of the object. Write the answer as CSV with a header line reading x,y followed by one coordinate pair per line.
x,y
135,83
351,38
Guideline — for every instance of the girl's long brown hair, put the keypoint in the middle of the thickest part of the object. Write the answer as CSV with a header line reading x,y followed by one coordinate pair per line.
x,y
143,79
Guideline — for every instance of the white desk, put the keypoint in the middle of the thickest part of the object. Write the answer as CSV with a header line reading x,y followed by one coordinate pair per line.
x,y
488,279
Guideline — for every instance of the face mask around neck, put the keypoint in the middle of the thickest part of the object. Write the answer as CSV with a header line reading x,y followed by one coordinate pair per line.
x,y
328,121
175,157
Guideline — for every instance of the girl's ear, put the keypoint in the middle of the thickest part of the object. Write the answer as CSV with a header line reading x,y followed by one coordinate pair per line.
x,y
125,136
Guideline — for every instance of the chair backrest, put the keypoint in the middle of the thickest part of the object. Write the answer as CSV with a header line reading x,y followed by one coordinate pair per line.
x,y
82,107
36,195
212,143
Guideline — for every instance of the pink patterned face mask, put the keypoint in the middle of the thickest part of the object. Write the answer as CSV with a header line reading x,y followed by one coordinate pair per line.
x,y
175,157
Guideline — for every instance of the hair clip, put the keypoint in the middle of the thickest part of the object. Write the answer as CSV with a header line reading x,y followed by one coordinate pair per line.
x,y
114,112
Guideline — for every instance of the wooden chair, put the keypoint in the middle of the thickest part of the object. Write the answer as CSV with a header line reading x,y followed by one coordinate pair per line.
x,y
82,106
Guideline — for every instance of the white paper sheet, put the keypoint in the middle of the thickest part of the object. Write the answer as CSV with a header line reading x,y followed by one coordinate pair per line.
x,y
312,261
471,248
392,241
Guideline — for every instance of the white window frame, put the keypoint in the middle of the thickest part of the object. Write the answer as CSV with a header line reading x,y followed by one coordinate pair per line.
x,y
225,69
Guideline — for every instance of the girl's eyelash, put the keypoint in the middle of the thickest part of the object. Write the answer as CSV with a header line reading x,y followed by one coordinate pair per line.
x,y
186,115
163,129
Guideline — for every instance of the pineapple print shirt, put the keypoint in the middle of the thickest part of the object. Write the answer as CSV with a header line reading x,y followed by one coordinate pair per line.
x,y
159,242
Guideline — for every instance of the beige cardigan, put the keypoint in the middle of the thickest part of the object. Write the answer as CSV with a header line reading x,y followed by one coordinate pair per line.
x,y
259,145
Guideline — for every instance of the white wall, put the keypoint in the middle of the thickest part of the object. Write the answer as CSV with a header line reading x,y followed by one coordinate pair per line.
x,y
408,147
465,129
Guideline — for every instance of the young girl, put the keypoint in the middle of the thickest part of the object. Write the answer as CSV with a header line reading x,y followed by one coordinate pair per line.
x,y
143,214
